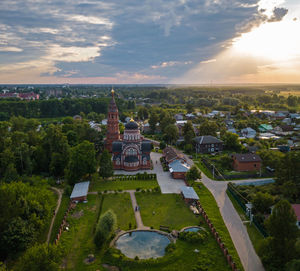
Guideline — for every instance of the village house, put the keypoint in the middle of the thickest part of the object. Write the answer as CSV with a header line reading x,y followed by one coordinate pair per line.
x,y
263,128
170,154
248,132
178,169
296,208
246,162
178,117
208,144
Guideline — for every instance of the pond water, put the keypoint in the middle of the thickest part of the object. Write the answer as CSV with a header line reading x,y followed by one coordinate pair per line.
x,y
144,244
193,229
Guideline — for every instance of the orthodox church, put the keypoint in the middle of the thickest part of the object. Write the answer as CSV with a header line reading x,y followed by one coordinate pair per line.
x,y
129,151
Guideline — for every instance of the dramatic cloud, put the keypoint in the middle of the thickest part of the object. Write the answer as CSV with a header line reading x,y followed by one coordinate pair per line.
x,y
126,40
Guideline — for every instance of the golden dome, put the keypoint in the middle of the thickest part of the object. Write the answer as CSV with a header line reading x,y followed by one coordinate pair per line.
x,y
131,119
112,91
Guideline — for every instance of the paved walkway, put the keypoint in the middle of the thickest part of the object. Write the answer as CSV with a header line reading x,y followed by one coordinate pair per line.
x,y
234,224
167,184
137,214
59,192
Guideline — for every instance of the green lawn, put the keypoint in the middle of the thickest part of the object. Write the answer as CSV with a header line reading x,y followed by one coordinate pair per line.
x,y
59,216
123,185
78,241
120,204
255,236
211,208
184,258
169,210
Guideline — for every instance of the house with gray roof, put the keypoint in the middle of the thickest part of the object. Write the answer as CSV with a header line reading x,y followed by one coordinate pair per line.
x,y
189,195
208,144
178,169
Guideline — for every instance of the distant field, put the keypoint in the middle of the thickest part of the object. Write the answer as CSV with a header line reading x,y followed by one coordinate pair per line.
x,y
289,93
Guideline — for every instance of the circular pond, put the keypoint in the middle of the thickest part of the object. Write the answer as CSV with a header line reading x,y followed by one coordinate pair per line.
x,y
144,244
193,229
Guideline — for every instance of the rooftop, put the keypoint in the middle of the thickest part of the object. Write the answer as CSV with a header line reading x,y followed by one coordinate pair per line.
x,y
247,157
207,140
189,192
178,166
296,208
80,190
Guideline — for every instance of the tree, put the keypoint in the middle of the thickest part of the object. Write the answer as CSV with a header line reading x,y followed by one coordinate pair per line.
x,y
44,257
105,227
262,202
281,226
82,162
143,113
162,145
193,174
171,133
153,121
165,120
231,142
188,132
24,210
208,128
189,108
106,166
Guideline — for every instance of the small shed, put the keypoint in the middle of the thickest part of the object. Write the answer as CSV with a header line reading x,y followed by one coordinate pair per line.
x,y
189,195
80,191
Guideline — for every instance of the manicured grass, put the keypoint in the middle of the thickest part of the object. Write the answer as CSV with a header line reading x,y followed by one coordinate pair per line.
x,y
255,236
59,216
204,169
211,208
123,185
78,241
120,204
184,258
165,209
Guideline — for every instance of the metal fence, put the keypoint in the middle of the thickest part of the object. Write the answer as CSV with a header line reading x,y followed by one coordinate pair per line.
x,y
242,202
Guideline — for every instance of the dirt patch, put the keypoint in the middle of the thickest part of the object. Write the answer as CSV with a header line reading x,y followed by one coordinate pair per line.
x,y
78,214
93,209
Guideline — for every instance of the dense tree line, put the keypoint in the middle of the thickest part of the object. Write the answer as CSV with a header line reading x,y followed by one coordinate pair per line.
x,y
58,108
24,212
67,149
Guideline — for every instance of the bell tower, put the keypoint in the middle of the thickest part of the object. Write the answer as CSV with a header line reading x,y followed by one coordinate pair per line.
x,y
113,133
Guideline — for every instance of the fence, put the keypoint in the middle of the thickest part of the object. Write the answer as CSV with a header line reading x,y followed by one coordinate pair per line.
x,y
222,246
64,222
219,175
242,202
139,176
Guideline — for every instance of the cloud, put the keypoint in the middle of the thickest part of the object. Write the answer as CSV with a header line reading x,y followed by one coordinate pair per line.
x,y
278,14
90,20
10,49
170,64
208,61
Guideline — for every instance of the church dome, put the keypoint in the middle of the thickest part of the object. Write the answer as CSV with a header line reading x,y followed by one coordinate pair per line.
x,y
131,125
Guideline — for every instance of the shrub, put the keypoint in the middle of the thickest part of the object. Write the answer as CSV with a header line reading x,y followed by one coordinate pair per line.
x,y
192,237
105,227
170,248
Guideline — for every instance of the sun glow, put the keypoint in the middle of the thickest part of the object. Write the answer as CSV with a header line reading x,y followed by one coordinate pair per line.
x,y
277,41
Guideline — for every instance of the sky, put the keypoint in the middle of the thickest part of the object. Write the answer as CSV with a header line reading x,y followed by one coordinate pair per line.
x,y
149,41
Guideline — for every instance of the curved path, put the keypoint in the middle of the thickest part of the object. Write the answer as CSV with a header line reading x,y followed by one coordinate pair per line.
x,y
233,222
59,192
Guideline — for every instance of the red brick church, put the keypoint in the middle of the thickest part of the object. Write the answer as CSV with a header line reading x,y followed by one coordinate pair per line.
x,y
129,151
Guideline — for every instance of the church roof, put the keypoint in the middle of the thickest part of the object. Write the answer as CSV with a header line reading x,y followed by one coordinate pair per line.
x,y
131,159
131,125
